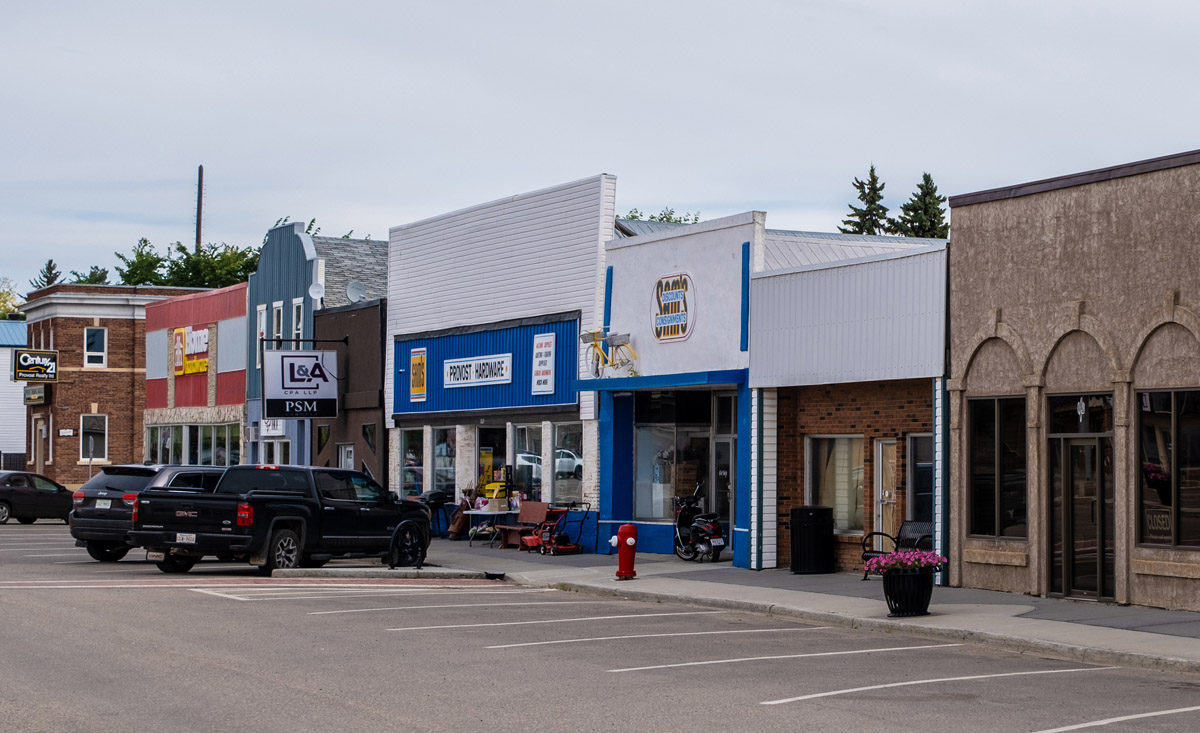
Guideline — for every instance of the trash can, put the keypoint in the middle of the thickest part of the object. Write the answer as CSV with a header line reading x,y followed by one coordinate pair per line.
x,y
812,539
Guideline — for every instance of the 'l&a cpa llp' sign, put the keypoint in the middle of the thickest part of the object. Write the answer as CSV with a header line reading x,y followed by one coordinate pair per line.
x,y
299,384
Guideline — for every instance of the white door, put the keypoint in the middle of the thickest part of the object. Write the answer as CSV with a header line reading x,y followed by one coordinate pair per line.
x,y
346,456
885,491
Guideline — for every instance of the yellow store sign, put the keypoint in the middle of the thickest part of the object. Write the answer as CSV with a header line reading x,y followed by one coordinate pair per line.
x,y
416,371
190,350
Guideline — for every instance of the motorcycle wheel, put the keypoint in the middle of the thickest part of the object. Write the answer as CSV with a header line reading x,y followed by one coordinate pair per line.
x,y
714,555
687,552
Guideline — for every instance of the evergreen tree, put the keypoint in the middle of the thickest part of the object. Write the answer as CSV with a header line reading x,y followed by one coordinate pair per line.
x,y
95,276
49,275
143,266
923,215
872,218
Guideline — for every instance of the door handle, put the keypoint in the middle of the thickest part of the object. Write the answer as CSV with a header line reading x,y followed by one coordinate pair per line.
x,y
328,508
364,508
1093,511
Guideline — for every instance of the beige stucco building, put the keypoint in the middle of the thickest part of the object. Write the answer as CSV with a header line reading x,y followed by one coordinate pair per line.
x,y
1075,385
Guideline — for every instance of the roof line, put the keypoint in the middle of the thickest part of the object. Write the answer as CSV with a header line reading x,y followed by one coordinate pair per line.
x,y
936,245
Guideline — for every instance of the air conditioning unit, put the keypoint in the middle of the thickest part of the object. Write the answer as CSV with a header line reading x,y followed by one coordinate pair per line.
x,y
251,433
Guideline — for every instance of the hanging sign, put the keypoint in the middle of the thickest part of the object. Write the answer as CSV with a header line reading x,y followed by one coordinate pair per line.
x,y
35,366
477,371
674,308
35,394
416,375
190,349
543,363
300,384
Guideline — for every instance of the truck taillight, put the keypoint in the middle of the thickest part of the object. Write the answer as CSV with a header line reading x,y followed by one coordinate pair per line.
x,y
135,512
129,499
245,515
77,497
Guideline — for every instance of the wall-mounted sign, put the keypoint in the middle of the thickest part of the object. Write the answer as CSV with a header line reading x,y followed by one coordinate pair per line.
x,y
543,363
674,308
35,366
416,375
190,349
477,371
271,429
300,384
66,432
35,394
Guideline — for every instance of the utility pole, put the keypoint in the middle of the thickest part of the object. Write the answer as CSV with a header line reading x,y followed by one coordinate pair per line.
x,y
199,207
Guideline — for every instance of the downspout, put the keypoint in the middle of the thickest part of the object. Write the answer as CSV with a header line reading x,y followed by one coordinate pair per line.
x,y
944,437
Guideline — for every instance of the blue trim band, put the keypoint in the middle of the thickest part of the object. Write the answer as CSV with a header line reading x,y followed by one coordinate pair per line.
x,y
661,381
608,282
745,296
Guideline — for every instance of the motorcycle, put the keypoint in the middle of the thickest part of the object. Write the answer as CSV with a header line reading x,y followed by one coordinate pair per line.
x,y
697,535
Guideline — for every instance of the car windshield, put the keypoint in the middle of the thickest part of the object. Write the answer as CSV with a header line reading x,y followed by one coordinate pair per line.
x,y
120,478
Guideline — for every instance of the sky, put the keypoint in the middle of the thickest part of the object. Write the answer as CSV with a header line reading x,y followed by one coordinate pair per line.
x,y
368,115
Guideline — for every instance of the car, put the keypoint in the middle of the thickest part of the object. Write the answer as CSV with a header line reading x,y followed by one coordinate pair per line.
x,y
104,504
567,463
28,497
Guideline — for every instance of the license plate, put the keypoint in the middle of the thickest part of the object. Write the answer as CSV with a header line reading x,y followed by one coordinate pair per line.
x,y
718,542
185,538
103,503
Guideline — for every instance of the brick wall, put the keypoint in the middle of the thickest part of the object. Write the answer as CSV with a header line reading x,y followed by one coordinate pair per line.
x,y
874,410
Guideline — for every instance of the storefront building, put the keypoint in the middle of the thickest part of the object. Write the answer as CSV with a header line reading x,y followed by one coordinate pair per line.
x,y
297,274
196,378
485,308
12,398
92,415
847,371
1074,395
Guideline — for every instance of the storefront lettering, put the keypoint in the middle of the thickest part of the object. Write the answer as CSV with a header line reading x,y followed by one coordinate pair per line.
x,y
35,366
673,307
473,372
187,344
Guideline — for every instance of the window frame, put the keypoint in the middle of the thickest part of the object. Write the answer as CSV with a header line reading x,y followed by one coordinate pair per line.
x,y
297,323
82,454
103,353
997,478
277,324
910,469
809,496
260,333
1175,519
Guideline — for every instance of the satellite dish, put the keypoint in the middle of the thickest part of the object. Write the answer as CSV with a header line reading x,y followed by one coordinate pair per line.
x,y
356,292
316,291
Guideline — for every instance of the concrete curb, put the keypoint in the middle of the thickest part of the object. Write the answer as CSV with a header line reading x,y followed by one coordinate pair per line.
x,y
1010,642
351,573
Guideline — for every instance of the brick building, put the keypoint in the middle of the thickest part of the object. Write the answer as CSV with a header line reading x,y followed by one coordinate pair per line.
x,y
99,334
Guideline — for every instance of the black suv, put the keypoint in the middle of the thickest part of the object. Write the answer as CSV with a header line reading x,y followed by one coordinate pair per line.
x,y
103,511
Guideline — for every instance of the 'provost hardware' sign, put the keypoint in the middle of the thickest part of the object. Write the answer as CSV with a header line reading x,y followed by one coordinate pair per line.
x,y
477,371
674,311
35,366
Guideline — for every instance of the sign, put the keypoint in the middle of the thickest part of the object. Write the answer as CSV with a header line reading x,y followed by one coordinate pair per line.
x,y
35,394
543,363
477,371
35,366
66,432
416,375
190,349
299,384
674,312
271,428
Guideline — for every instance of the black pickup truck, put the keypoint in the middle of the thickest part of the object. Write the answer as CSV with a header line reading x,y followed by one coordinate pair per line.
x,y
280,517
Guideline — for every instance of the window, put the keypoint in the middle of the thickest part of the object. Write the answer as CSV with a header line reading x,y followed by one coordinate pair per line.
x,y
920,478
835,479
493,448
151,445
568,462
260,332
527,461
235,444
193,445
997,472
95,353
412,452
276,452
366,490
93,437
1169,467
44,484
368,433
322,437
335,485
220,445
443,459
277,325
297,323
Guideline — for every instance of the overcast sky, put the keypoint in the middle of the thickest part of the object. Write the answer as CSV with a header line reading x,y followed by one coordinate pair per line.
x,y
367,115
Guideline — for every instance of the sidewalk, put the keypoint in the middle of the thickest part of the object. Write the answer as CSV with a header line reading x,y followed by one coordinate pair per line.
x,y
1085,631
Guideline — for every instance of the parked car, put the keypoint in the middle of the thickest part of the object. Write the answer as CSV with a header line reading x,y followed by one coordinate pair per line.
x,y
567,463
280,517
104,505
28,497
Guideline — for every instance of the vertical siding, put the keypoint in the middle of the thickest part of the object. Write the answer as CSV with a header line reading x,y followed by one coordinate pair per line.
x,y
12,407
156,354
866,321
941,543
285,272
763,479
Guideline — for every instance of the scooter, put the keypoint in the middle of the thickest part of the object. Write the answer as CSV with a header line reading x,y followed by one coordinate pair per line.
x,y
697,536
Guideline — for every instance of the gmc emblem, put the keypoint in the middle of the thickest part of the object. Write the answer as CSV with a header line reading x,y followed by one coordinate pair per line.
x,y
190,515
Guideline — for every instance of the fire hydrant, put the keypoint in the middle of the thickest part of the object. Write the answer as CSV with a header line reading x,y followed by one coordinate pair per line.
x,y
626,543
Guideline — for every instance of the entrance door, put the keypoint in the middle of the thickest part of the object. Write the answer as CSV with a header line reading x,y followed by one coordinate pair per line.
x,y
39,445
346,456
885,490
1081,535
722,497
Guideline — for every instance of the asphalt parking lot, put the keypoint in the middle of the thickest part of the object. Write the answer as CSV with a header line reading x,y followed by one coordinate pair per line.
x,y
120,646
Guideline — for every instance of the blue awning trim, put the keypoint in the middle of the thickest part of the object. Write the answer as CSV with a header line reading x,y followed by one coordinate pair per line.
x,y
663,381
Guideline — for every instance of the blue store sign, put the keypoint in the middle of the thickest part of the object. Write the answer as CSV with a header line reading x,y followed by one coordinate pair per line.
x,y
493,368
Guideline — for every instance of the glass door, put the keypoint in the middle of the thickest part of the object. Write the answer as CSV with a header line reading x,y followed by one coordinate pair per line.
x,y
723,472
1081,514
885,491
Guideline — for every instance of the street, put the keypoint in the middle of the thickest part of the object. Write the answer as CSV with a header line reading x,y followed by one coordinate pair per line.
x,y
91,646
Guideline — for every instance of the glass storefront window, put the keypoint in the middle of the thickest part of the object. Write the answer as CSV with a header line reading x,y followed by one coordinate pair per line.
x,y
177,444
527,461
221,445
1169,467
412,452
493,447
920,478
206,445
152,445
235,444
655,464
568,462
193,445
997,470
835,479
444,452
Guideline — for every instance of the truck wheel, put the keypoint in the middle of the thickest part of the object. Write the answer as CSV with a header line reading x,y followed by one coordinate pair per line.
x,y
407,548
283,551
106,551
176,564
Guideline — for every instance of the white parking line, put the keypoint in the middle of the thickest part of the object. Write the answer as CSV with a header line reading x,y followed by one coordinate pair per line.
x,y
465,605
847,691
250,593
1122,719
46,546
652,636
318,594
784,656
557,620
72,562
61,554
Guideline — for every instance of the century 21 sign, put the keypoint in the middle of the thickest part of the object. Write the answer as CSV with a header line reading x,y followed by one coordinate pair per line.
x,y
35,366
674,307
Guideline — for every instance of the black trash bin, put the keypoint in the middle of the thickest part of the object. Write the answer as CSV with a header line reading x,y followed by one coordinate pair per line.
x,y
812,539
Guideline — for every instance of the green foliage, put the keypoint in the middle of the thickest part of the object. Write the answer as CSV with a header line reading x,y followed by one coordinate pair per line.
x,y
212,266
49,275
95,276
8,296
144,265
872,218
667,215
923,215
311,230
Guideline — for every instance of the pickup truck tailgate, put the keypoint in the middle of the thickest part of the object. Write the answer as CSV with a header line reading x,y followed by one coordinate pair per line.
x,y
187,512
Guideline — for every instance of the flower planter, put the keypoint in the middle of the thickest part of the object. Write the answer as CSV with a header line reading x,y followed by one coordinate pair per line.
x,y
908,591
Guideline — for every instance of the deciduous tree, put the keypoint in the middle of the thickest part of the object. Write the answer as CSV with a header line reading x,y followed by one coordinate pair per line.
x,y
143,266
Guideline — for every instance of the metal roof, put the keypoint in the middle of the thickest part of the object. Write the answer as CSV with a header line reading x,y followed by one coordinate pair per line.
x,y
364,260
13,333
639,227
787,249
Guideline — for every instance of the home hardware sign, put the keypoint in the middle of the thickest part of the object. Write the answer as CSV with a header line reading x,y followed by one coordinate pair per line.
x,y
35,366
477,371
674,311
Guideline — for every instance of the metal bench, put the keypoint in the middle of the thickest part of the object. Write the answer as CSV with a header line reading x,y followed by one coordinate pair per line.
x,y
529,518
910,536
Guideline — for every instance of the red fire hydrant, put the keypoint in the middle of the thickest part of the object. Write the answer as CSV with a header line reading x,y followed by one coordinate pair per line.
x,y
626,544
